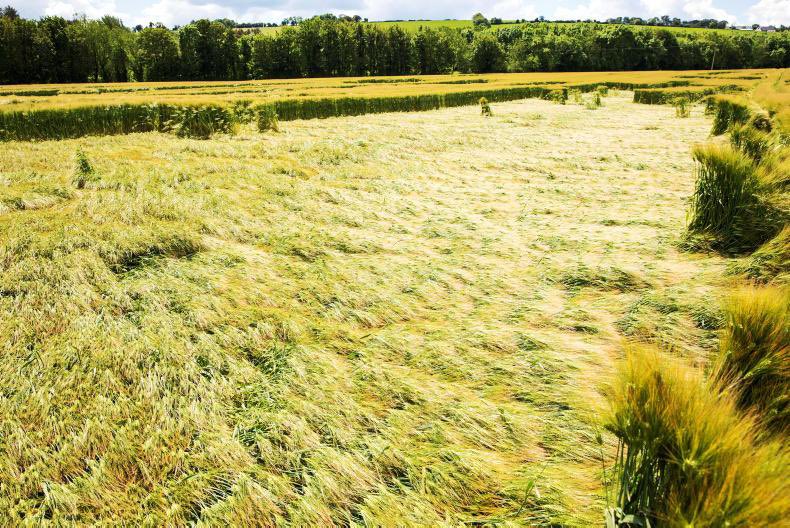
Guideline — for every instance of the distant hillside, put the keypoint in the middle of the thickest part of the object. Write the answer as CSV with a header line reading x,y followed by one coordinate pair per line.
x,y
412,26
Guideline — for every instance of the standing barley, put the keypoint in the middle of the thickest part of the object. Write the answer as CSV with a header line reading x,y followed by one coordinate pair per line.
x,y
485,109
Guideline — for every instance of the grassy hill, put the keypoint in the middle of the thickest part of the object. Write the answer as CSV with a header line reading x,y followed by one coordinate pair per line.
x,y
414,25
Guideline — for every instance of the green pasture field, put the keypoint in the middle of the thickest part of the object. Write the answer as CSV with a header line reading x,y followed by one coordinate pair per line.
x,y
413,26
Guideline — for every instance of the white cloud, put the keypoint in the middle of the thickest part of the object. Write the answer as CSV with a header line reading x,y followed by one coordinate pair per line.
x,y
775,12
598,10
706,9
440,9
603,9
90,8
171,12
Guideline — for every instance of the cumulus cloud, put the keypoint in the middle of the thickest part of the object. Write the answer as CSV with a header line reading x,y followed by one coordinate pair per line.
x,y
706,9
775,12
599,10
172,12
439,9
603,9
91,8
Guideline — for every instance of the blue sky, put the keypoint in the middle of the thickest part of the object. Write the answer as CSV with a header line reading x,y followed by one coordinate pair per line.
x,y
180,11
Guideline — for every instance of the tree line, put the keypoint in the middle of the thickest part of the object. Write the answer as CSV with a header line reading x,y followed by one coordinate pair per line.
x,y
56,50
709,23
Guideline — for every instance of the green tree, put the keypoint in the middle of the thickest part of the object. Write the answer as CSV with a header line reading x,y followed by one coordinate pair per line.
x,y
26,51
245,57
188,43
487,55
278,55
376,54
310,45
399,51
480,22
157,54
56,29
208,51
57,50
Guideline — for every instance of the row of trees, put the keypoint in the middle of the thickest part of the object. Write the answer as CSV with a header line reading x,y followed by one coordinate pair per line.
x,y
53,49
578,47
709,23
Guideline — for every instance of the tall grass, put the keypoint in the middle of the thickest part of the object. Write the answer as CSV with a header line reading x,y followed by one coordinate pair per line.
x,y
59,122
267,118
140,111
710,106
754,353
682,107
201,122
388,81
773,94
485,108
761,121
741,198
559,95
686,456
290,109
771,261
83,170
243,111
729,202
64,123
594,102
591,87
729,112
752,141
30,93
664,96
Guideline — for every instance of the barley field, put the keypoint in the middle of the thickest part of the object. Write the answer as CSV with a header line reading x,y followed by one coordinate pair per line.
x,y
490,300
386,320
200,109
31,97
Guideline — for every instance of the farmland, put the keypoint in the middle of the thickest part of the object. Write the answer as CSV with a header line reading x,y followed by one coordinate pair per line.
x,y
49,96
388,317
60,111
412,26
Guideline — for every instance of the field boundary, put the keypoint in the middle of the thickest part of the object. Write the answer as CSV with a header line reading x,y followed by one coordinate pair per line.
x,y
91,120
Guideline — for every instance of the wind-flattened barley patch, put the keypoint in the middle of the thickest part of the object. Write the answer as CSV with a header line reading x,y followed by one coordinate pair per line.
x,y
382,341
603,278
